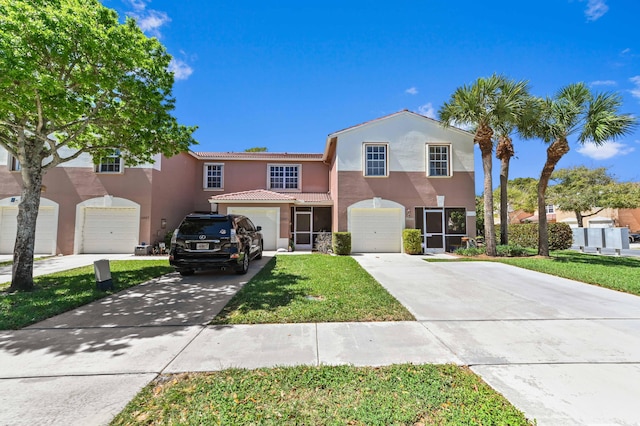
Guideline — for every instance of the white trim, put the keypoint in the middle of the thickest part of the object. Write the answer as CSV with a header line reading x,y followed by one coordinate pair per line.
x,y
116,154
299,183
449,146
13,164
205,175
365,145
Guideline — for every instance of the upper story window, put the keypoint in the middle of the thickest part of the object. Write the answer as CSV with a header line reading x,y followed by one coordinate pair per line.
x,y
284,177
112,163
375,159
14,164
438,160
213,176
550,209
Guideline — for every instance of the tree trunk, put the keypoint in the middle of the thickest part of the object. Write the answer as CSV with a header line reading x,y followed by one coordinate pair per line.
x,y
556,150
22,274
580,220
504,152
483,137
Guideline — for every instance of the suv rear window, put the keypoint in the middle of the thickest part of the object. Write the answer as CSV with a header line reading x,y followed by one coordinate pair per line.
x,y
207,226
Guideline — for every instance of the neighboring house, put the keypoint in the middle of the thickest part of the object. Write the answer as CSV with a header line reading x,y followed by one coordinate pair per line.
x,y
373,180
605,218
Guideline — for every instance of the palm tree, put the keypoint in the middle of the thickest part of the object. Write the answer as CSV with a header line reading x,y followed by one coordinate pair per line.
x,y
517,95
574,110
484,105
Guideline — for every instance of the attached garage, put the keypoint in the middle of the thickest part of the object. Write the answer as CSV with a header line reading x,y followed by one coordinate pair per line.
x,y
376,226
46,226
107,225
266,217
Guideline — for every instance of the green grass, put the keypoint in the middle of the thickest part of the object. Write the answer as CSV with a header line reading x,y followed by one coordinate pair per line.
x,y
312,288
614,272
57,293
343,395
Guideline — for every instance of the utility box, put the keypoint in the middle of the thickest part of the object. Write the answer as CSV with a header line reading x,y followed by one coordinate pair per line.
x,y
143,250
580,237
595,238
103,275
616,238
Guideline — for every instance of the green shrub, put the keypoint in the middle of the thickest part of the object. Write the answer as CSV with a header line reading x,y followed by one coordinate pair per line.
x,y
412,241
560,236
526,235
471,251
511,250
342,243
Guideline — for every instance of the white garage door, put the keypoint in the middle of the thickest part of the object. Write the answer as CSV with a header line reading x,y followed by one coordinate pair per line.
x,y
46,230
110,230
267,218
376,230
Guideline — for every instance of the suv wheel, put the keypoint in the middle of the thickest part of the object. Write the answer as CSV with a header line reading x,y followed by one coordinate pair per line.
x,y
186,272
245,264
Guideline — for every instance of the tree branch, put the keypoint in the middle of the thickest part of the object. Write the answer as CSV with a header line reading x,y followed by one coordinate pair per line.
x,y
594,213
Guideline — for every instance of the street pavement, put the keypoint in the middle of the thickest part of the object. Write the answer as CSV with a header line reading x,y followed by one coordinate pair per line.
x,y
563,352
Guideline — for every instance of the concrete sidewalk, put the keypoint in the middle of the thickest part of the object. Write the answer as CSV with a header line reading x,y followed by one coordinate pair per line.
x,y
563,352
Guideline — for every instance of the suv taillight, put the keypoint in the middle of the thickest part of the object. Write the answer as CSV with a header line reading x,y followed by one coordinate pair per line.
x,y
174,237
233,238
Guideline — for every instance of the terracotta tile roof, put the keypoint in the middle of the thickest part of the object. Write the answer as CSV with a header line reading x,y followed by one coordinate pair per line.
x,y
314,197
257,156
263,195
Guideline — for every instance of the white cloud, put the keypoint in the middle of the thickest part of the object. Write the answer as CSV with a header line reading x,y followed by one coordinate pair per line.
x,y
411,91
596,9
603,83
150,21
605,151
635,92
181,70
427,110
625,51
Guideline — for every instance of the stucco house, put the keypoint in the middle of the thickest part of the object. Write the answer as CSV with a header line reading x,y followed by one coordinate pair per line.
x,y
374,179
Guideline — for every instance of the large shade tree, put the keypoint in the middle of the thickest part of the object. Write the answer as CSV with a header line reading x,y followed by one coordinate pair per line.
x,y
587,192
75,80
484,105
574,110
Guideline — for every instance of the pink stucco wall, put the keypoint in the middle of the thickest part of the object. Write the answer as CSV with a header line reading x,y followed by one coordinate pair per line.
x,y
411,189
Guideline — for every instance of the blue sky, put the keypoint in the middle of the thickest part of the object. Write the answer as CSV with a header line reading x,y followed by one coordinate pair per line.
x,y
286,74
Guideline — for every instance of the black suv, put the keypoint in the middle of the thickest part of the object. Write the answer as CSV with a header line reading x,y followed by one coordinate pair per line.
x,y
214,241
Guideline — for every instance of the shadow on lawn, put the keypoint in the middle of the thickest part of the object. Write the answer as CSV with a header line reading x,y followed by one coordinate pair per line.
x,y
267,291
593,259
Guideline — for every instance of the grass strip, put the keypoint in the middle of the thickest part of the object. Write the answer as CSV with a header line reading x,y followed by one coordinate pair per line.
x,y
312,288
402,394
613,272
60,292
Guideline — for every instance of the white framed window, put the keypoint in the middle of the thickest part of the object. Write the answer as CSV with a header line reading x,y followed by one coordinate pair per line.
x,y
376,159
213,176
14,164
550,209
438,160
112,163
284,177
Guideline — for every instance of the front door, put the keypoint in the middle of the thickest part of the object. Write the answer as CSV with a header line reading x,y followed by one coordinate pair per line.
x,y
433,232
303,230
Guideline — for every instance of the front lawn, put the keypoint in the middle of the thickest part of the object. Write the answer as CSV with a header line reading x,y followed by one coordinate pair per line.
x,y
344,395
63,291
312,288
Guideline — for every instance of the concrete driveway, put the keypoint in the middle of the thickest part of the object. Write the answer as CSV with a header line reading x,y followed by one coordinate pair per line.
x,y
563,352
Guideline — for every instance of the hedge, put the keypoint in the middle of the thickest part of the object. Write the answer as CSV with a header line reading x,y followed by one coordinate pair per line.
x,y
342,243
412,241
526,235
